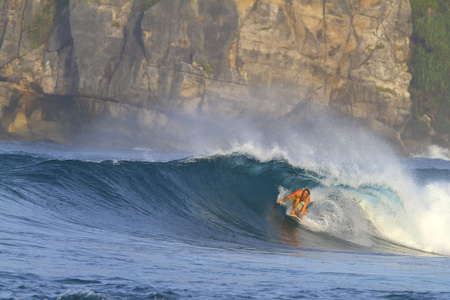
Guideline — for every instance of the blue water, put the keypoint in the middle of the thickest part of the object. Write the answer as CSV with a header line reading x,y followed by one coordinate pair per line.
x,y
136,224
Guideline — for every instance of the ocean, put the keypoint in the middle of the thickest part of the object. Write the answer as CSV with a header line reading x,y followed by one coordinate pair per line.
x,y
80,223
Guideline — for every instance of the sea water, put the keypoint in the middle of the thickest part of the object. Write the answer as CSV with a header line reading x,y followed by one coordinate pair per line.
x,y
90,223
80,224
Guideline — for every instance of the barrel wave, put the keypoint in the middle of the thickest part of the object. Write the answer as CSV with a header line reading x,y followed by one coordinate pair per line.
x,y
225,200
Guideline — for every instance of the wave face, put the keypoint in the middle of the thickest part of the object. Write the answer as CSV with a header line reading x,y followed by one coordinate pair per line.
x,y
227,200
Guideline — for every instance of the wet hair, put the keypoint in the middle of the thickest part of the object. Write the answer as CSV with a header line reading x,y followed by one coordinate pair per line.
x,y
309,192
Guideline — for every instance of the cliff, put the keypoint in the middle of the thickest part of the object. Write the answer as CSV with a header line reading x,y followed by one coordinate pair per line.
x,y
70,68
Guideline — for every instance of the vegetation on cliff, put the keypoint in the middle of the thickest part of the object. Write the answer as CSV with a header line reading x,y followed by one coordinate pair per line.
x,y
42,22
430,64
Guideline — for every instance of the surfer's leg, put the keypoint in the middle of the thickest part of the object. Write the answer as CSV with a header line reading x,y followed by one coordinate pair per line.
x,y
294,206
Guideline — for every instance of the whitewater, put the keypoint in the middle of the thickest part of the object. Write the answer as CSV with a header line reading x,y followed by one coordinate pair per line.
x,y
86,223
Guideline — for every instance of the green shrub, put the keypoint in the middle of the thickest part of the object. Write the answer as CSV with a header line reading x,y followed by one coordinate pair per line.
x,y
420,123
385,90
370,49
380,46
207,68
26,69
442,121
430,63
150,3
39,29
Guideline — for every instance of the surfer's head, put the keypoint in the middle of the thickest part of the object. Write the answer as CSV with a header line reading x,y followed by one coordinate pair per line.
x,y
307,190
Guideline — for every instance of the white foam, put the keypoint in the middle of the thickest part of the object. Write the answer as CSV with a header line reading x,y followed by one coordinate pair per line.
x,y
433,218
434,152
80,293
409,215
336,214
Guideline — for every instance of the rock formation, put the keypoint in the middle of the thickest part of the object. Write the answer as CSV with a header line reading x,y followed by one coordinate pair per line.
x,y
139,62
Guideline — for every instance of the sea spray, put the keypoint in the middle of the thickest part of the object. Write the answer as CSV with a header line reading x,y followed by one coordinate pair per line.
x,y
348,162
433,217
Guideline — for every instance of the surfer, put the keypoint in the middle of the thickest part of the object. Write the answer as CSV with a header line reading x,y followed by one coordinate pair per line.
x,y
298,196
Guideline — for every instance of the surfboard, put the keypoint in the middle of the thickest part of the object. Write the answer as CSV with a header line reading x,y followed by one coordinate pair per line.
x,y
295,217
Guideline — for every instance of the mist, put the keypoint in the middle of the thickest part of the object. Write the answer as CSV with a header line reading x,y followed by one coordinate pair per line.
x,y
300,130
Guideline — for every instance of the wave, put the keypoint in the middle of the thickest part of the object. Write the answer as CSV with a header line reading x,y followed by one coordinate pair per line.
x,y
227,200
220,189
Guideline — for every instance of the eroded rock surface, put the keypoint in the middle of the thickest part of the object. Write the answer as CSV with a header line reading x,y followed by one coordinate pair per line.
x,y
140,63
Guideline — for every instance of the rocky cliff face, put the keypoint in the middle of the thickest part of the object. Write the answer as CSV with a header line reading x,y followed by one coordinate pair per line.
x,y
140,62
